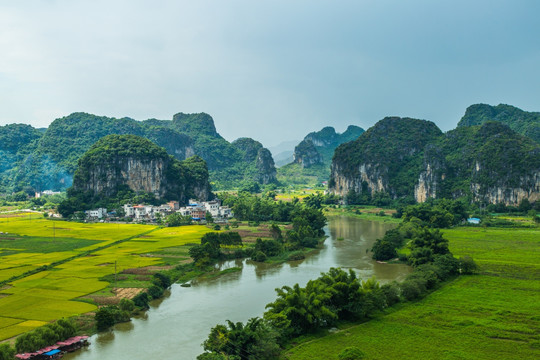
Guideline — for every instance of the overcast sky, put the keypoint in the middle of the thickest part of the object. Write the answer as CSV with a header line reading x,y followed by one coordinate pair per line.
x,y
272,70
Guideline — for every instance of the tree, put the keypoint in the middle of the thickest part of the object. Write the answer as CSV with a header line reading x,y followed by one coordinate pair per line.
x,y
104,318
155,291
6,352
162,280
126,305
467,265
176,219
141,300
254,340
305,309
383,250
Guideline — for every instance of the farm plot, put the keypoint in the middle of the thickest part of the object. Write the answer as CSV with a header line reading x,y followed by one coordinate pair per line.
x,y
48,295
492,315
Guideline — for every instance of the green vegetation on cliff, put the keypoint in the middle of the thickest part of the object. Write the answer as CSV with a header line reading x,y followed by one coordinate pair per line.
x,y
17,141
48,160
390,150
313,155
523,122
406,157
490,155
120,168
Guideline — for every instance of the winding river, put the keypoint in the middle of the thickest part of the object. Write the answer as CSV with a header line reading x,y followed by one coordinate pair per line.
x,y
176,325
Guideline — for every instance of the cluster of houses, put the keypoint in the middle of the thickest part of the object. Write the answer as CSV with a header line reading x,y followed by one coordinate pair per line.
x,y
197,210
46,193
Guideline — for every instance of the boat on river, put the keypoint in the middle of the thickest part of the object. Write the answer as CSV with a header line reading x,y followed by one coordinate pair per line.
x,y
57,350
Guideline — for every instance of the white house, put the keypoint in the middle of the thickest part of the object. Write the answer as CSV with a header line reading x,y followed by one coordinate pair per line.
x,y
212,207
129,210
97,213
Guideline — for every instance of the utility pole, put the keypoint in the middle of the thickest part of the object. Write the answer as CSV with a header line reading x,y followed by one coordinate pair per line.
x,y
115,277
54,231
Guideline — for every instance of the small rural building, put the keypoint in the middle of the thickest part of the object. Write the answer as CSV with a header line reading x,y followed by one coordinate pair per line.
x,y
99,213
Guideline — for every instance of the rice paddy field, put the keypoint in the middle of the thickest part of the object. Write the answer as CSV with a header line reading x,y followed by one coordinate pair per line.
x,y
70,261
492,315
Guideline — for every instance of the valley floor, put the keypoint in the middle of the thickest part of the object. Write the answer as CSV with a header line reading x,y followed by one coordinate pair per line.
x,y
492,315
52,269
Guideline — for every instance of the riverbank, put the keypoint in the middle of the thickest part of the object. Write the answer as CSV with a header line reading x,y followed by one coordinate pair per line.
x,y
371,213
490,315
182,321
73,267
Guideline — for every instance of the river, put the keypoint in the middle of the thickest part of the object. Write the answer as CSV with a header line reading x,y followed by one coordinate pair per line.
x,y
176,325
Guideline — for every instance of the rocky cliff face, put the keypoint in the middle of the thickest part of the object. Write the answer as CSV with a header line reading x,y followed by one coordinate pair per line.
x,y
128,163
382,158
140,175
488,163
179,145
306,154
529,189
256,160
266,169
48,159
370,178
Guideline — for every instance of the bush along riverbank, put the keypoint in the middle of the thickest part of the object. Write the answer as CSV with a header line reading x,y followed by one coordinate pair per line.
x,y
335,298
305,234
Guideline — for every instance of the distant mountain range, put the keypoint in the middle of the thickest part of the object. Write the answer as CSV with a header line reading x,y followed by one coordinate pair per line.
x,y
492,155
283,152
39,160
410,159
311,158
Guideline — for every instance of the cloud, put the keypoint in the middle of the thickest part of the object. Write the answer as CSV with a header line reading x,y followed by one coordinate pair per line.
x,y
271,70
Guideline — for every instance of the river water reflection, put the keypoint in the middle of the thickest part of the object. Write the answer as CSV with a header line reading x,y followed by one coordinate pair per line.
x,y
175,326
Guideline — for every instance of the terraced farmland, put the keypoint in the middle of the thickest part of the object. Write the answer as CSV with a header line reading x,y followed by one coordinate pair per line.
x,y
70,261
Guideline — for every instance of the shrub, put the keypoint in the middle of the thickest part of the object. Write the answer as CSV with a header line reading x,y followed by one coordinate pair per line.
x,y
141,300
296,255
351,353
162,280
410,290
391,293
309,242
467,265
447,264
155,291
107,316
6,352
259,256
127,305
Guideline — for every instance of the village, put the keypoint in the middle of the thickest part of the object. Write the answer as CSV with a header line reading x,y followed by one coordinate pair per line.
x,y
197,210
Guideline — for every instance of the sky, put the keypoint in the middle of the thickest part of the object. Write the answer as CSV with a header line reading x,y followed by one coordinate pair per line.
x,y
271,70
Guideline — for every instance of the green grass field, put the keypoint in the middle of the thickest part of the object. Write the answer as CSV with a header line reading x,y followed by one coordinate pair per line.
x,y
82,263
364,212
493,315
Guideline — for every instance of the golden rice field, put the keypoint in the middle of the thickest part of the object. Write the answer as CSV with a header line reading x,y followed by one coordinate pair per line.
x,y
30,302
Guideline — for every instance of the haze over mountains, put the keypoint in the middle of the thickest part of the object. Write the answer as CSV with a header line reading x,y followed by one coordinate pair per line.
x,y
38,159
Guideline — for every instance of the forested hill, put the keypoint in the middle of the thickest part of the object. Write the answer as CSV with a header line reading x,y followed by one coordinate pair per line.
x,y
524,122
129,168
413,160
313,155
386,158
48,160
